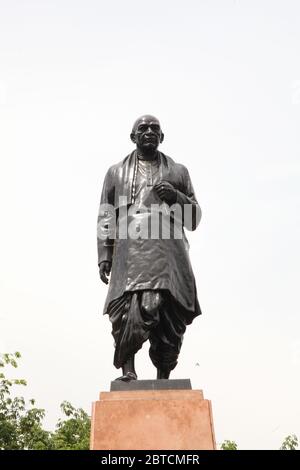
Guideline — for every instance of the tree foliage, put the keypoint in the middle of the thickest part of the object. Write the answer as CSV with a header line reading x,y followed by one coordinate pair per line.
x,y
21,422
229,445
72,433
290,443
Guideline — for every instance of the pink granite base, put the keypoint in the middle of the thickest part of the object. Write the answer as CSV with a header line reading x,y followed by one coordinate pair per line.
x,y
152,419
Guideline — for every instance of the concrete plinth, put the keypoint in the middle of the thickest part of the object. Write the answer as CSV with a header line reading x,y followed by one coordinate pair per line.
x,y
152,419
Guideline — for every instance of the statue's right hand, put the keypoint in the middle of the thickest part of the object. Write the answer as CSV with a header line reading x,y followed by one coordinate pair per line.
x,y
104,271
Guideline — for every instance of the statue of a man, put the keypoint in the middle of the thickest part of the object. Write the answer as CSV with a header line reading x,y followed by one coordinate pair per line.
x,y
146,201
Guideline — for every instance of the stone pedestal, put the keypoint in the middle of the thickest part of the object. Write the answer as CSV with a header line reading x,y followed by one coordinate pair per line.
x,y
161,419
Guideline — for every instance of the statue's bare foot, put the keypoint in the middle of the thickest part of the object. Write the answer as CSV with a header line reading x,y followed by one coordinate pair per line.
x,y
128,377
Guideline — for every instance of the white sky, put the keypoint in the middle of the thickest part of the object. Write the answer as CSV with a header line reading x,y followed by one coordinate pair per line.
x,y
224,79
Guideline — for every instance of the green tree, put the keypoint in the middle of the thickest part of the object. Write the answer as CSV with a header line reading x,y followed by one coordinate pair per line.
x,y
229,445
72,433
20,422
290,443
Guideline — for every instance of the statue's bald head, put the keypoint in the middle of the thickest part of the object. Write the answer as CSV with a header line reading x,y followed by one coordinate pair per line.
x,y
145,118
146,132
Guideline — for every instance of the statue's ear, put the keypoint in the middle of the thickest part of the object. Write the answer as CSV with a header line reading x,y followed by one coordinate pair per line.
x,y
162,137
132,136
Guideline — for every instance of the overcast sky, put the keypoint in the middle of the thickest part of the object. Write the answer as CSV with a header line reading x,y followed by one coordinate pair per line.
x,y
223,77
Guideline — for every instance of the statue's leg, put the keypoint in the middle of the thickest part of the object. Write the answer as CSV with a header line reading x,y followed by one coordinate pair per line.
x,y
163,373
128,370
163,355
119,312
166,338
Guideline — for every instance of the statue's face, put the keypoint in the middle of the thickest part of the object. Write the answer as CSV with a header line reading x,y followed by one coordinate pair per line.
x,y
146,133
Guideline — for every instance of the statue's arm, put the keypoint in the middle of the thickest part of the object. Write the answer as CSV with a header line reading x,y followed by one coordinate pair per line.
x,y
106,226
188,197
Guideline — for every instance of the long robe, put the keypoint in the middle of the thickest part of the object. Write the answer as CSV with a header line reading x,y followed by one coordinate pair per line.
x,y
147,264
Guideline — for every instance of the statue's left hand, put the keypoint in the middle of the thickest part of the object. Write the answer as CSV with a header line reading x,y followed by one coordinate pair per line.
x,y
166,191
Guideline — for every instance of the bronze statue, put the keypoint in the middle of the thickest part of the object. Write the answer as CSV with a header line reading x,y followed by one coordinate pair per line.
x,y
146,201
